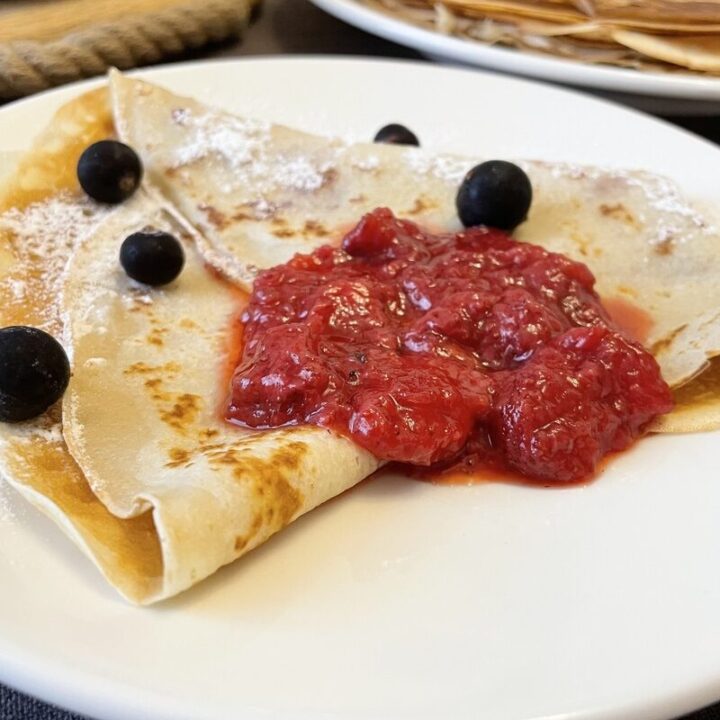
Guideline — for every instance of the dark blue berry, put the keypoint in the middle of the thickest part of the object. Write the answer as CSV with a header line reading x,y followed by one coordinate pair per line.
x,y
152,257
395,134
495,193
109,171
34,372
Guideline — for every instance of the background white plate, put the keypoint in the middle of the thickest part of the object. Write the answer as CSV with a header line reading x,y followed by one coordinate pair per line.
x,y
401,599
662,93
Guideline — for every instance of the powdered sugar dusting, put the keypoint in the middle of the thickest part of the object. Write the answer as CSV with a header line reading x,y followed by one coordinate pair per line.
x,y
49,434
299,173
17,288
44,236
450,168
137,295
674,218
367,164
264,209
236,139
45,428
243,144
664,195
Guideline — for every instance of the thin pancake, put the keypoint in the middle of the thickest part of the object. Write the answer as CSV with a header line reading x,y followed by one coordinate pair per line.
x,y
660,16
141,471
33,456
665,37
697,52
641,239
142,416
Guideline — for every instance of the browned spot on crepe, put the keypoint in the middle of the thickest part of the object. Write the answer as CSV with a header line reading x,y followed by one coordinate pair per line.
x,y
625,290
619,212
315,228
665,247
580,242
179,457
208,434
157,336
48,468
214,216
328,177
138,306
241,541
178,410
277,499
142,368
189,324
183,410
421,205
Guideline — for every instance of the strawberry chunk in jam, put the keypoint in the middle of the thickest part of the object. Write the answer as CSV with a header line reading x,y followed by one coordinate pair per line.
x,y
437,349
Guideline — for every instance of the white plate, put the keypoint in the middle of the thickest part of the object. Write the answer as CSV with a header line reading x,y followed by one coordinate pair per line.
x,y
663,93
401,599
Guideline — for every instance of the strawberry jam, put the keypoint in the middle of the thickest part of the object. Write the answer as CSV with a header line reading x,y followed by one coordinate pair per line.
x,y
445,351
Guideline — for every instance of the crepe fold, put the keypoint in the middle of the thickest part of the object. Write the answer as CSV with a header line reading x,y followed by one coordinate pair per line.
x,y
260,193
137,465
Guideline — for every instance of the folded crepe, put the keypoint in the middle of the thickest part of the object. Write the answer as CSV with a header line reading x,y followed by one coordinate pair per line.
x,y
138,468
137,465
258,193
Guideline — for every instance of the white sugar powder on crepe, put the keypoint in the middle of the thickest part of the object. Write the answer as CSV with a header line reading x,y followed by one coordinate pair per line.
x,y
49,231
237,139
242,143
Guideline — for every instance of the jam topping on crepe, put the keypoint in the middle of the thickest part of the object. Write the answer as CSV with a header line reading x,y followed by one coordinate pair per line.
x,y
445,349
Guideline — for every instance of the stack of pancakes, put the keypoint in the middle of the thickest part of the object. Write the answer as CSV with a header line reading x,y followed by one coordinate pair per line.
x,y
645,34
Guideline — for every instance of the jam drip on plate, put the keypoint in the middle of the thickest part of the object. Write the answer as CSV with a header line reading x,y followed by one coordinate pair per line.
x,y
444,350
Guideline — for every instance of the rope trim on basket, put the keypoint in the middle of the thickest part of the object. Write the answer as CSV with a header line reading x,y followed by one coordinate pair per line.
x,y
28,67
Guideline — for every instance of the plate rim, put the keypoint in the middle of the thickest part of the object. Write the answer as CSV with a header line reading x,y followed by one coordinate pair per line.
x,y
525,63
568,91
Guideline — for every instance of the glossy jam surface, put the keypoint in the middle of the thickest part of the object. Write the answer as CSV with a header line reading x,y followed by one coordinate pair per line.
x,y
445,351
